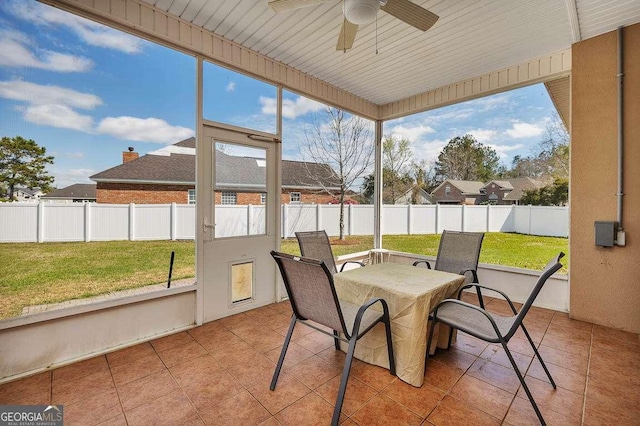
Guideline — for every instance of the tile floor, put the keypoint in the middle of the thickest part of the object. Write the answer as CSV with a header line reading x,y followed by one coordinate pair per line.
x,y
219,374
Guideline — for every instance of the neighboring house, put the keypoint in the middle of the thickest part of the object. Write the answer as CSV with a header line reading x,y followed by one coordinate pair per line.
x,y
22,194
417,194
76,193
168,176
509,191
458,192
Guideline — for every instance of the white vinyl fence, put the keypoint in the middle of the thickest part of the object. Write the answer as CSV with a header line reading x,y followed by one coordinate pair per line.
x,y
49,222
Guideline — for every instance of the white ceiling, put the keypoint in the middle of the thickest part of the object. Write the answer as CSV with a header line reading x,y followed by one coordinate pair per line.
x,y
472,37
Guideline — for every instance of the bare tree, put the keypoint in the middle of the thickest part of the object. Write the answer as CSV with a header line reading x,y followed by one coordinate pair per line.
x,y
343,142
396,158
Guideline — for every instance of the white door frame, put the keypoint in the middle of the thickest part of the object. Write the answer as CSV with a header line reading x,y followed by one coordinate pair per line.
x,y
251,247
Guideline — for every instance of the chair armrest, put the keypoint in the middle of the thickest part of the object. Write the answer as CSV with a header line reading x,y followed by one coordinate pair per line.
x,y
361,311
470,306
350,261
502,293
417,262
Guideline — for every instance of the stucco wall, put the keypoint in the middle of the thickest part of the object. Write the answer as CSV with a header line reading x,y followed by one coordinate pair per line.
x,y
605,282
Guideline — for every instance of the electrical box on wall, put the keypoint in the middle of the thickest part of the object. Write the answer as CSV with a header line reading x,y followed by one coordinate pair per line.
x,y
605,233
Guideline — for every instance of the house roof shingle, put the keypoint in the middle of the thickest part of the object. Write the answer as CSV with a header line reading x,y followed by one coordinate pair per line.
x,y
468,187
76,191
176,164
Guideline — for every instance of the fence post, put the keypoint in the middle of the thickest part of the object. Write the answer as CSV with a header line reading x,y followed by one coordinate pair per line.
x,y
40,224
409,218
350,230
318,217
530,211
285,220
488,217
87,222
462,217
132,217
437,218
173,221
249,219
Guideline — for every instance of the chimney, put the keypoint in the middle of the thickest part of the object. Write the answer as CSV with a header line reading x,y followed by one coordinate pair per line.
x,y
129,155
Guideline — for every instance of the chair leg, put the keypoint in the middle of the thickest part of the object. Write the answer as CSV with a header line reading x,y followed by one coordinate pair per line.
x,y
336,341
276,373
544,367
387,328
431,330
345,378
523,383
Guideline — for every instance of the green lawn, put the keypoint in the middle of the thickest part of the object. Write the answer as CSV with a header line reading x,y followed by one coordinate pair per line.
x,y
34,274
521,251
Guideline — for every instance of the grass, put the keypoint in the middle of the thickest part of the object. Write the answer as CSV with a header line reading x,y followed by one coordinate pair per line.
x,y
35,274
521,251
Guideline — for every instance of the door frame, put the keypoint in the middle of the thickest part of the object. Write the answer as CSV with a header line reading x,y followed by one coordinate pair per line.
x,y
204,206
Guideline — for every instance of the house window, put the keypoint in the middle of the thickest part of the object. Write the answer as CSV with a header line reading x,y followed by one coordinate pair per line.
x,y
294,197
191,198
263,198
447,190
228,198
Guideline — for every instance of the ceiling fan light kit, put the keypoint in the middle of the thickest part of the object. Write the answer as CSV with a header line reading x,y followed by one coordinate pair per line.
x,y
361,12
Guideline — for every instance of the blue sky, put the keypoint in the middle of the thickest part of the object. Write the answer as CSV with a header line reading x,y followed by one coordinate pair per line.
x,y
87,92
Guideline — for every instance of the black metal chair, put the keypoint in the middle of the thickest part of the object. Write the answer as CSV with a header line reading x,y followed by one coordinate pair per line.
x,y
494,328
458,253
315,245
312,294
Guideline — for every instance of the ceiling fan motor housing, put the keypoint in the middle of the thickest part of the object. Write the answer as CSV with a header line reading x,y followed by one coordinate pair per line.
x,y
361,12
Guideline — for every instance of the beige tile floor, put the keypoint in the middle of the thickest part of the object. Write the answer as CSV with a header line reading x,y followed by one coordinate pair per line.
x,y
219,374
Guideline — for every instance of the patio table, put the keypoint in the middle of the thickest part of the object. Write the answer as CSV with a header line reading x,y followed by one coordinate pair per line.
x,y
411,292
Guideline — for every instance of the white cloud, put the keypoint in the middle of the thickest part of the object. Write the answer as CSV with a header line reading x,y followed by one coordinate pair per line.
x,y
58,116
143,129
428,150
290,108
411,132
47,95
66,177
505,150
74,155
90,32
524,130
15,53
490,102
231,86
483,135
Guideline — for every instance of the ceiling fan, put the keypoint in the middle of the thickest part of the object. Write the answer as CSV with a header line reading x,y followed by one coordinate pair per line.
x,y
361,12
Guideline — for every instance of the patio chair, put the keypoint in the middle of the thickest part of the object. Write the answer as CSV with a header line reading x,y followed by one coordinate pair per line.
x,y
458,253
312,294
494,328
315,245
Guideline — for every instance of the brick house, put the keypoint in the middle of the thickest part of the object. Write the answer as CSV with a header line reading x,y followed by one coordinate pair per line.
x,y
458,192
168,176
509,191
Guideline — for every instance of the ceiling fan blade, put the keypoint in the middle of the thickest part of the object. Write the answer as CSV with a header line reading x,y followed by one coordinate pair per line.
x,y
411,13
285,5
347,35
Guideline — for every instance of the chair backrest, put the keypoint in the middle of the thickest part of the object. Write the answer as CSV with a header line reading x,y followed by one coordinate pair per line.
x,y
315,245
458,251
551,268
311,291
